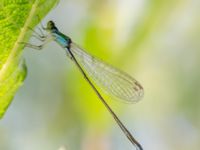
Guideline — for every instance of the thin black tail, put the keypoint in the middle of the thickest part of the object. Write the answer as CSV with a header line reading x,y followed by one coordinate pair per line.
x,y
121,125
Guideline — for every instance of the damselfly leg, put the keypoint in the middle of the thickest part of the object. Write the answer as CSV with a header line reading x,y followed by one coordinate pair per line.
x,y
45,41
40,36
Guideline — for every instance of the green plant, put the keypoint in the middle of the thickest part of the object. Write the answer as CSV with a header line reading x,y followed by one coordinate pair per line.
x,y
15,18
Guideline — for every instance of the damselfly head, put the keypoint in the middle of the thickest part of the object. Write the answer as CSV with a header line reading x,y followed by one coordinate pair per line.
x,y
51,26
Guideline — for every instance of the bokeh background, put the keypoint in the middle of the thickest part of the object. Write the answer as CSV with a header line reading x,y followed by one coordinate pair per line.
x,y
155,41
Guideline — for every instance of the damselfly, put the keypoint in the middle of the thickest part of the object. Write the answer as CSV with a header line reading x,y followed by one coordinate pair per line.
x,y
107,77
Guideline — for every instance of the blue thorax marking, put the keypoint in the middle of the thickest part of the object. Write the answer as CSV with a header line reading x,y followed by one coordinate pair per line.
x,y
60,38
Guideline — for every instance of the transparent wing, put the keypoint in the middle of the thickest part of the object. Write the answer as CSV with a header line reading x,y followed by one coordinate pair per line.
x,y
113,81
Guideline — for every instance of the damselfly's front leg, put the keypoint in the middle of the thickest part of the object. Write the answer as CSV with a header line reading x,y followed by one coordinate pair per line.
x,y
40,36
38,47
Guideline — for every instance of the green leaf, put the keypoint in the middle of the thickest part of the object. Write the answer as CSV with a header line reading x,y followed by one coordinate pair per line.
x,y
15,18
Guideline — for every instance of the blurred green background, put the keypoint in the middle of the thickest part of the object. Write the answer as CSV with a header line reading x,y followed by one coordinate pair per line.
x,y
155,41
